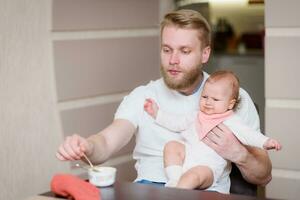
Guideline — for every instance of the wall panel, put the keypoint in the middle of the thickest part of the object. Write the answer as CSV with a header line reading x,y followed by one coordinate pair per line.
x,y
284,188
282,61
280,124
282,13
87,68
105,14
90,120
282,95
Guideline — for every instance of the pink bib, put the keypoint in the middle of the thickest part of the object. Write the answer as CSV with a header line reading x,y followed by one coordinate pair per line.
x,y
205,123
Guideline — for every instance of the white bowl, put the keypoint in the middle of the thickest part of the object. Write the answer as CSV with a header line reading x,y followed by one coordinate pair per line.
x,y
102,176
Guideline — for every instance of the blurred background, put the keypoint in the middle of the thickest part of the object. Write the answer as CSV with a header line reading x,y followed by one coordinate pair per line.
x,y
238,25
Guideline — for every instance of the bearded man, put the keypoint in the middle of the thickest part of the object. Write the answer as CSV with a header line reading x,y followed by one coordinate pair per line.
x,y
185,47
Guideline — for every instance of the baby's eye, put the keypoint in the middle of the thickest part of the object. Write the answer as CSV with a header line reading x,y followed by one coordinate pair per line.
x,y
204,97
216,99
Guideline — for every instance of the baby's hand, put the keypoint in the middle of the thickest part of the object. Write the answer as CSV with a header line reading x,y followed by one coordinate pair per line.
x,y
151,107
272,144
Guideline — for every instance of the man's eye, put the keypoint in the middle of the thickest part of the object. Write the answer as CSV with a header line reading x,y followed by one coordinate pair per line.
x,y
166,50
186,52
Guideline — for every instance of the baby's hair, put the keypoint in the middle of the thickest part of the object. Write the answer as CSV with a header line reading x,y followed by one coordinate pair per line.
x,y
232,79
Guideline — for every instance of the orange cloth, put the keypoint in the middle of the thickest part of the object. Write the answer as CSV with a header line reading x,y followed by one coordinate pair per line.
x,y
205,122
67,185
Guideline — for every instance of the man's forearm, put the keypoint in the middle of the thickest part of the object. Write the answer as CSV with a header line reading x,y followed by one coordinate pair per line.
x,y
255,165
110,140
99,153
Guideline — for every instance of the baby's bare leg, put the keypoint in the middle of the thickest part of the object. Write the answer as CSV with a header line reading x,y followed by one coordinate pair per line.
x,y
197,177
174,154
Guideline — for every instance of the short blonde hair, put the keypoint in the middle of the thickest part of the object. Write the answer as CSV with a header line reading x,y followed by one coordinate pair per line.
x,y
189,19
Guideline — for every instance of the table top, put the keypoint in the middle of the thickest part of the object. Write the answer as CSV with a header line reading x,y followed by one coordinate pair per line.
x,y
134,191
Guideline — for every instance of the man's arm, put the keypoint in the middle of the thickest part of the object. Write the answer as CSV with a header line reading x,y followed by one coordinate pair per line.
x,y
110,140
255,166
253,163
97,147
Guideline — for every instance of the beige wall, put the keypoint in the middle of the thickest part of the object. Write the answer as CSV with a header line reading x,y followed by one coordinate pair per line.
x,y
64,67
30,127
282,95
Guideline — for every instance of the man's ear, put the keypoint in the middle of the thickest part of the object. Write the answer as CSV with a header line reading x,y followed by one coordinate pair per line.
x,y
231,104
205,54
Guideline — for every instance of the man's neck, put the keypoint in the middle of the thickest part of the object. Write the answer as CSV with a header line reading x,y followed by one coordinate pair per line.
x,y
193,88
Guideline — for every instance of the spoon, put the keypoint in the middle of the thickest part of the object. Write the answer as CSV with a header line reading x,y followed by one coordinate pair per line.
x,y
90,163
92,166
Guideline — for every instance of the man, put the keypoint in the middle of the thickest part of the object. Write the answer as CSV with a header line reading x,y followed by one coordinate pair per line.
x,y
185,47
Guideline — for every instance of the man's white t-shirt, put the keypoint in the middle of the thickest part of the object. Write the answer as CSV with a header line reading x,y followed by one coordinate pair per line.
x,y
150,137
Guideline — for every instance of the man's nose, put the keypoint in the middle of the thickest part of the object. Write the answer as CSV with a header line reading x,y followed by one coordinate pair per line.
x,y
174,59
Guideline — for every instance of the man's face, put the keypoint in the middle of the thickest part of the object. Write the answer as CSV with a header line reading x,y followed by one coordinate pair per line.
x,y
182,56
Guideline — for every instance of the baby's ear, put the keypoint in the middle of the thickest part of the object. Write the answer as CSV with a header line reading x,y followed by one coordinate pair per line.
x,y
231,104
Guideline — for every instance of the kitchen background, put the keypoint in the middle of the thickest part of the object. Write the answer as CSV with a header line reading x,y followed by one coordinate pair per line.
x,y
65,65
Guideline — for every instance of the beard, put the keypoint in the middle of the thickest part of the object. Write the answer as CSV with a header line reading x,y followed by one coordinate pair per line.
x,y
187,80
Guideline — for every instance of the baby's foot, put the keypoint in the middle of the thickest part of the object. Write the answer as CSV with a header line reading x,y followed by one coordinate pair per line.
x,y
171,183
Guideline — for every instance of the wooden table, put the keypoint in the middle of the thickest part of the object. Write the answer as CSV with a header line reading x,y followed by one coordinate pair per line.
x,y
134,191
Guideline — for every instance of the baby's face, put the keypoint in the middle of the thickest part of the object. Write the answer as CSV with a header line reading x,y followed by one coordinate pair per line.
x,y
216,97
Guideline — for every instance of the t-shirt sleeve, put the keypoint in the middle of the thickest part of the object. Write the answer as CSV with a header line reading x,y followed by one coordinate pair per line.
x,y
131,107
247,112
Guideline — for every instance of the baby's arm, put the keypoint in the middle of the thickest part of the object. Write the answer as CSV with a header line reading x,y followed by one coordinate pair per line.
x,y
250,137
171,121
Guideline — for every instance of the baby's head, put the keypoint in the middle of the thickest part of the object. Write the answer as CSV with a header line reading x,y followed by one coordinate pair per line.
x,y
220,92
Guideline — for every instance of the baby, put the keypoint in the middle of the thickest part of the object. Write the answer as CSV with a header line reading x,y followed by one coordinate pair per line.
x,y
191,163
